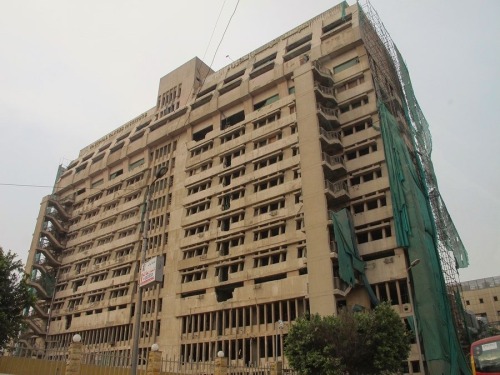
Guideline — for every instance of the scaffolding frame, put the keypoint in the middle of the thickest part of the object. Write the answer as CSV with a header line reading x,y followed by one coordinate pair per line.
x,y
386,61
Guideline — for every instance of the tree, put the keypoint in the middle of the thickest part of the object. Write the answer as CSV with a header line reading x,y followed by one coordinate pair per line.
x,y
15,296
373,342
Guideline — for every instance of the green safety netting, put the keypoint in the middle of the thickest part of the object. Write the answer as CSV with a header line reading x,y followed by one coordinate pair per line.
x,y
349,259
447,234
415,230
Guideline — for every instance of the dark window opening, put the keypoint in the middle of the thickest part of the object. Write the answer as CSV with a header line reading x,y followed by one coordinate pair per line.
x,y
234,76
199,135
268,279
265,102
264,60
206,91
224,293
226,122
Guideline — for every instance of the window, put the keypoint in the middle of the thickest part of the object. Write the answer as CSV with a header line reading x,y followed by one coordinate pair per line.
x,y
263,65
193,274
136,164
81,168
197,251
198,229
199,135
199,187
97,183
481,300
227,243
269,257
273,230
116,174
495,298
232,135
346,65
234,76
113,189
269,207
335,24
269,183
206,91
267,120
134,179
365,176
265,102
94,198
198,207
270,160
117,147
234,119
297,48
203,148
267,141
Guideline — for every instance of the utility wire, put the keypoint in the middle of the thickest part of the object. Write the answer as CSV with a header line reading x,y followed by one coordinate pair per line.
x,y
223,34
213,31
26,185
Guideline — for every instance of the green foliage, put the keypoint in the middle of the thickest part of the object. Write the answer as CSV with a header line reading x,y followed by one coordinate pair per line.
x,y
374,342
15,296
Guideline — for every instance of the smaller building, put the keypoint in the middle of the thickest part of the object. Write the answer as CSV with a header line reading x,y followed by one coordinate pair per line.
x,y
482,297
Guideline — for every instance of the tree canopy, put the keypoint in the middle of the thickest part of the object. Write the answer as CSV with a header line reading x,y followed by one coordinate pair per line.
x,y
15,296
372,342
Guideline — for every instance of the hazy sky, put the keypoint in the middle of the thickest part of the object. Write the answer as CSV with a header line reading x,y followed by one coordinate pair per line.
x,y
72,71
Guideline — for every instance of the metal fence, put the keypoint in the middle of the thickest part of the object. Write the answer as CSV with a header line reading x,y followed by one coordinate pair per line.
x,y
24,361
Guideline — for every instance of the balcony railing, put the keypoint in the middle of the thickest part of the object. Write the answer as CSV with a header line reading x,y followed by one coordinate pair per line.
x,y
333,160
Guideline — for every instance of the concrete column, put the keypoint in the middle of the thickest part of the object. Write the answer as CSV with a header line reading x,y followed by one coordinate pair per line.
x,y
154,363
74,359
277,368
220,366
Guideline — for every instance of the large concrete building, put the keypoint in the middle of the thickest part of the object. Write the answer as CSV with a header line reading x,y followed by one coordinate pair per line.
x,y
482,297
277,198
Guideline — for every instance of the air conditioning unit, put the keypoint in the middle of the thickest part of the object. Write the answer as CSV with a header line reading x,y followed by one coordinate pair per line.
x,y
257,286
201,296
406,307
273,213
204,256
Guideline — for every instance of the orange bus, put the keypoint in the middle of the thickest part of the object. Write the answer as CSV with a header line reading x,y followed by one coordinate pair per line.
x,y
485,356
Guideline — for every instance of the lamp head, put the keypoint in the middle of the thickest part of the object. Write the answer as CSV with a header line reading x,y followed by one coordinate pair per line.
x,y
161,172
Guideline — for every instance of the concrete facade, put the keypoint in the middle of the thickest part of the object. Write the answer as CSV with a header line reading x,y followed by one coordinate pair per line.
x,y
482,297
257,154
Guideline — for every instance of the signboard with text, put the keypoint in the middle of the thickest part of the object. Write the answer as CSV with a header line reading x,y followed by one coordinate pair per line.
x,y
151,271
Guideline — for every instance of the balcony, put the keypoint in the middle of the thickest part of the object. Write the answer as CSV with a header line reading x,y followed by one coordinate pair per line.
x,y
52,237
328,116
50,258
334,166
56,222
321,74
40,309
61,207
325,93
336,192
330,141
340,288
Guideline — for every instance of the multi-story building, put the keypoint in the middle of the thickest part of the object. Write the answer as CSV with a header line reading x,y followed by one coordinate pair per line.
x,y
292,182
482,297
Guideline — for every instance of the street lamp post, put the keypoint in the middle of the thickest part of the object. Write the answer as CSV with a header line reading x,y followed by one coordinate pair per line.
x,y
278,334
138,307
